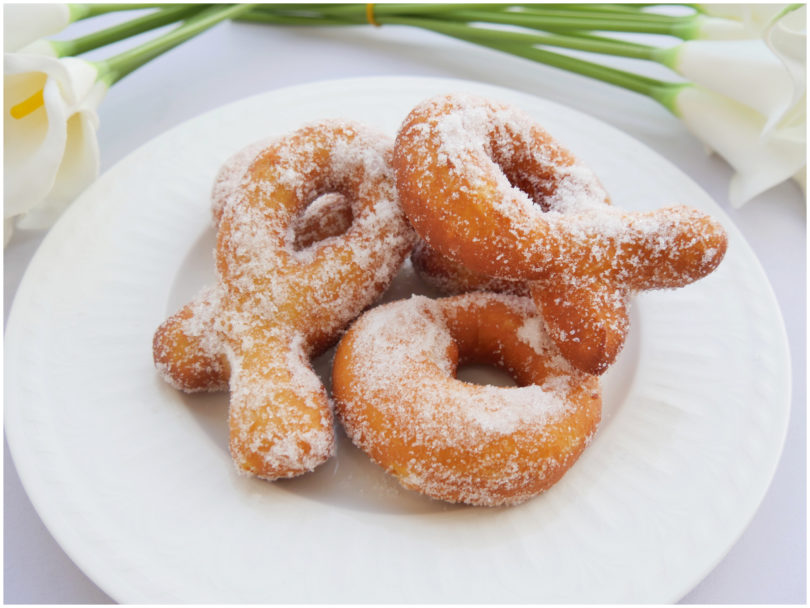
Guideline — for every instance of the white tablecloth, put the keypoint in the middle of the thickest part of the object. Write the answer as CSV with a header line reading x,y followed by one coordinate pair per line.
x,y
232,61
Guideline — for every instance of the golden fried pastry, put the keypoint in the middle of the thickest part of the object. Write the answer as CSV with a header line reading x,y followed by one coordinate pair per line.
x,y
328,215
230,175
397,396
277,304
450,277
487,187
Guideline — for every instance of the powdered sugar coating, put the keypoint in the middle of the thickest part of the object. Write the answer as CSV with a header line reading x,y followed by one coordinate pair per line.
x,y
488,188
532,332
397,396
280,416
282,298
328,215
230,175
256,258
473,171
451,277
188,348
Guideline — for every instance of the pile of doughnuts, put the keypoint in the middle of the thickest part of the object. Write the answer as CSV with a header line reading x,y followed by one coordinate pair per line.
x,y
313,226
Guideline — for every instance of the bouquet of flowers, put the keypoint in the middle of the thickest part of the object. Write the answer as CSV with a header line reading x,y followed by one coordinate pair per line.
x,y
739,76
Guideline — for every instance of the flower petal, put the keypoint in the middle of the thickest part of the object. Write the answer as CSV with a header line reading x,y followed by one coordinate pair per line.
x,y
801,178
752,19
76,79
32,146
40,47
735,132
24,23
717,28
8,230
35,145
79,167
718,65
787,39
75,76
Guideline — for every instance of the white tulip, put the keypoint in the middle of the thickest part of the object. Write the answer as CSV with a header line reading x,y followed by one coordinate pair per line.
x,y
25,23
50,147
735,131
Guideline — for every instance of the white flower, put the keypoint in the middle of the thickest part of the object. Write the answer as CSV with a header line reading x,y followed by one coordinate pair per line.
x,y
26,23
746,71
49,141
787,39
748,102
736,132
737,21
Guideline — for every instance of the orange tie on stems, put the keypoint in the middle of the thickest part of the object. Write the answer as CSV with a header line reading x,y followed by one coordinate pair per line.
x,y
370,14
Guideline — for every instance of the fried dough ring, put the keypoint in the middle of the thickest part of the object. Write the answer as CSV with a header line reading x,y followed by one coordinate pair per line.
x,y
487,187
231,173
276,306
398,399
452,278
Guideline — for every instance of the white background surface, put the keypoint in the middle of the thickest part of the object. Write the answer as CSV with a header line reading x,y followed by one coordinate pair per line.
x,y
768,563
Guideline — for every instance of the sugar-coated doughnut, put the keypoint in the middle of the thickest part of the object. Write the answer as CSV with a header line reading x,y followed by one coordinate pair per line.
x,y
397,397
486,186
229,177
328,215
451,278
188,349
277,301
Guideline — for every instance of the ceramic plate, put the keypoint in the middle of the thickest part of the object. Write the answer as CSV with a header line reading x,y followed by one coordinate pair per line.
x,y
134,480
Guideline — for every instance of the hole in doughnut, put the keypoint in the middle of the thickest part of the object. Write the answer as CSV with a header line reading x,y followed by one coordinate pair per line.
x,y
485,349
329,214
535,182
485,375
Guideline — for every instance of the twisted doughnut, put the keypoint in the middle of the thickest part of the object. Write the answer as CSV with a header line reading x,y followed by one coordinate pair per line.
x,y
398,399
275,306
487,187
450,277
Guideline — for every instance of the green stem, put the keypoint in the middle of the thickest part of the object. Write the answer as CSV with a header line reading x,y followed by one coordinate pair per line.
x,y
661,91
634,49
610,12
788,9
680,27
357,12
85,11
268,18
159,18
115,68
389,9
595,8
667,56
595,14
536,17
523,44
572,40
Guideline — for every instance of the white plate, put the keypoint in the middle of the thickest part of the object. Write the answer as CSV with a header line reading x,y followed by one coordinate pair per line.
x,y
134,481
